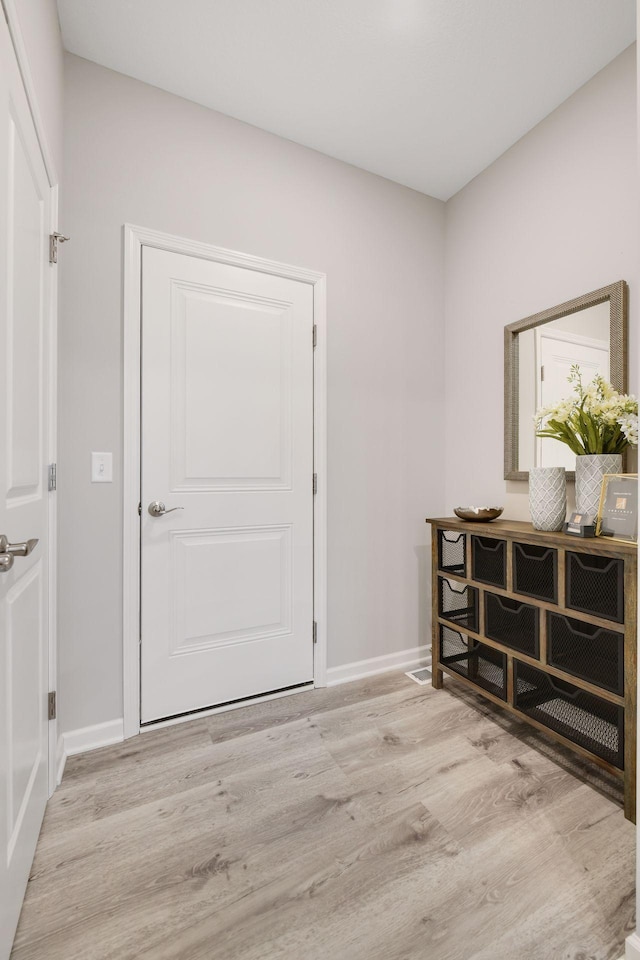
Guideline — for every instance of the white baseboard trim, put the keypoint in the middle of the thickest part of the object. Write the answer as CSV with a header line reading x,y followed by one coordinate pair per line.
x,y
61,759
87,738
400,660
632,947
91,738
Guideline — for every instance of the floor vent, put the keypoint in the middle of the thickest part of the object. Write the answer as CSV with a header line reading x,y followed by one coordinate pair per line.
x,y
421,675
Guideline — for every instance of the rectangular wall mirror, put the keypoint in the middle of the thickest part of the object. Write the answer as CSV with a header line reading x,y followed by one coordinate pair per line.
x,y
538,354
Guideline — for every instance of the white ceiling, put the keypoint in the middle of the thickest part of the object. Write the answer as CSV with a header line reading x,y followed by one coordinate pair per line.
x,y
425,92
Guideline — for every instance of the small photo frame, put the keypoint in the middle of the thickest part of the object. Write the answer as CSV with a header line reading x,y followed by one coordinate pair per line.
x,y
618,510
580,525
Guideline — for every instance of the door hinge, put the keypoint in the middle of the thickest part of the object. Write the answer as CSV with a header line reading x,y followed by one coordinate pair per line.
x,y
541,373
315,483
315,632
139,509
52,705
53,477
315,335
54,239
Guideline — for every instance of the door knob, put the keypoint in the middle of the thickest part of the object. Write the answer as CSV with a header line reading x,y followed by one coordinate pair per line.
x,y
157,508
9,551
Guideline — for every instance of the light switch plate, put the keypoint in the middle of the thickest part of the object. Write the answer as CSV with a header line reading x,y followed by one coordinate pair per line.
x,y
101,468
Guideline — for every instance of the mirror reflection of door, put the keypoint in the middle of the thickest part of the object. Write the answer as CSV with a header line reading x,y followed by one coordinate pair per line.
x,y
557,352
545,356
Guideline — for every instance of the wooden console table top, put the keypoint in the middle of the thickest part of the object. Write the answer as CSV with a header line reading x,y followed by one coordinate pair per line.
x,y
520,530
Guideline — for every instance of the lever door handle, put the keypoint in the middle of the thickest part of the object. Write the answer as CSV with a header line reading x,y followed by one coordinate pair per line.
x,y
157,508
9,551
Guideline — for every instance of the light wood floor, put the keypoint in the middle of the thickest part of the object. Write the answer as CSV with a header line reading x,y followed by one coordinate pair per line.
x,y
378,820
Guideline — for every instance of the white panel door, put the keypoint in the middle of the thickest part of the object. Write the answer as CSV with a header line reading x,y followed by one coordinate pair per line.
x,y
24,325
557,355
227,438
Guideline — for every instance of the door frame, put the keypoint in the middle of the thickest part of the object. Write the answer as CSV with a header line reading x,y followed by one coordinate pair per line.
x,y
135,238
55,754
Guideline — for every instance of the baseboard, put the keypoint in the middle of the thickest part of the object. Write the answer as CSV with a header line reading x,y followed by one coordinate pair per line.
x,y
88,738
400,660
61,759
632,947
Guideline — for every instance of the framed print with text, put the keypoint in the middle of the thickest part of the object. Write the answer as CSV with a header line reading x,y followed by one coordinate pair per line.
x,y
618,510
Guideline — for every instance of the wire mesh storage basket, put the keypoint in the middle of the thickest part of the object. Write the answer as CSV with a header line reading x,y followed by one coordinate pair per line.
x,y
513,623
535,571
458,602
581,717
587,651
476,661
489,561
595,585
452,552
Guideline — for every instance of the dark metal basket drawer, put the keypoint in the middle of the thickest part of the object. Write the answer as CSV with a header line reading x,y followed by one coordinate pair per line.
x,y
587,651
458,602
581,717
595,585
486,667
489,561
452,552
513,623
535,571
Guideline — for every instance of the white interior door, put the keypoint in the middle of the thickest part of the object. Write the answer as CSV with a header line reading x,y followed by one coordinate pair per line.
x,y
227,438
557,353
24,345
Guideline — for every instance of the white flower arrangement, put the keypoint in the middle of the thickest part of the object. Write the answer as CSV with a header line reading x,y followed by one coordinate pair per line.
x,y
594,419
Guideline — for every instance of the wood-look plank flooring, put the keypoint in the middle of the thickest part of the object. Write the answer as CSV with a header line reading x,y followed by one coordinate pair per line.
x,y
379,820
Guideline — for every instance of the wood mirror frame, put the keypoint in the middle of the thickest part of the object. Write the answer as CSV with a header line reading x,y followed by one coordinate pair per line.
x,y
616,294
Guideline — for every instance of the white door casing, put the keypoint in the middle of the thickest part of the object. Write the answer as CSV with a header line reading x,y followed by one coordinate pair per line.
x,y
227,442
27,316
265,543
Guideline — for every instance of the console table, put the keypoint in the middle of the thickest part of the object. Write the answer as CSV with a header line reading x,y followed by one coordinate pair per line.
x,y
544,625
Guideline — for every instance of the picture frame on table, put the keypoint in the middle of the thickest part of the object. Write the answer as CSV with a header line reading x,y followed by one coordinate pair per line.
x,y
580,525
618,510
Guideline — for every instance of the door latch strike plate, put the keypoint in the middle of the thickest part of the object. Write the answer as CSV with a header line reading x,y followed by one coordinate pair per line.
x,y
54,239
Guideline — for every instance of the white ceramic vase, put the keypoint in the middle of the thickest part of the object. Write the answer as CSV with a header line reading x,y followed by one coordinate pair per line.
x,y
547,497
589,473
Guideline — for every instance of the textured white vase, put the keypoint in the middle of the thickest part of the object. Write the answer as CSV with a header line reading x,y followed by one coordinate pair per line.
x,y
547,497
589,473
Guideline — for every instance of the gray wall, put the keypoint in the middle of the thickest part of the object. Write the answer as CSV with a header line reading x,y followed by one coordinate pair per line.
x,y
553,218
134,153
